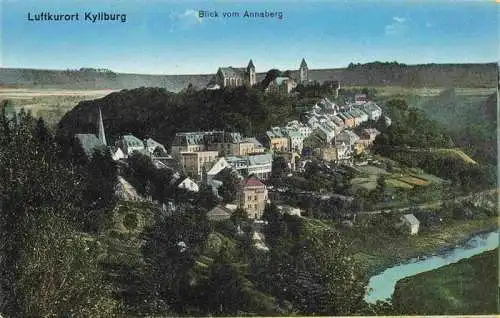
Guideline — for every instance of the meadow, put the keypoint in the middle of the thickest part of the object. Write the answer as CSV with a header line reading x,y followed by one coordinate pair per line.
x,y
50,104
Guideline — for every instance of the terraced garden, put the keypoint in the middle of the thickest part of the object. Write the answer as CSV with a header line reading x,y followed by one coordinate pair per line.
x,y
403,179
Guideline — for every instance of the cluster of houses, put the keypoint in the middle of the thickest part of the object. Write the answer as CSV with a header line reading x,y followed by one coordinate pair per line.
x,y
199,158
332,126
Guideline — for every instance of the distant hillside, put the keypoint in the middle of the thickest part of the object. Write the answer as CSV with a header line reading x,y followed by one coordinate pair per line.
x,y
371,74
469,116
30,78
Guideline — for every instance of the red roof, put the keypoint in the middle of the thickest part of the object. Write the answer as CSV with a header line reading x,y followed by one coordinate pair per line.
x,y
253,181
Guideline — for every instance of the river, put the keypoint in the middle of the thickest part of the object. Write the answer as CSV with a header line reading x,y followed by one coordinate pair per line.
x,y
382,286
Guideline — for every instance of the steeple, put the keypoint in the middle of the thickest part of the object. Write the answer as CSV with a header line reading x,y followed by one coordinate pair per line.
x,y
250,65
303,71
303,63
100,129
251,76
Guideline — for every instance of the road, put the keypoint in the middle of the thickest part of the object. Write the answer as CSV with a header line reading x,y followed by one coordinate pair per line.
x,y
431,204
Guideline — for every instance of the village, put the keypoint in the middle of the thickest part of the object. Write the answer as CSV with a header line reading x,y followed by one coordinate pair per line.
x,y
204,159
270,162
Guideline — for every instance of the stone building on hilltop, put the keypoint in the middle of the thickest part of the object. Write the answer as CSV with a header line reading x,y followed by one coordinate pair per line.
x,y
236,76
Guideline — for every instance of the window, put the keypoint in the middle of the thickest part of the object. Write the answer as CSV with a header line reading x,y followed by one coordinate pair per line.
x,y
255,206
255,198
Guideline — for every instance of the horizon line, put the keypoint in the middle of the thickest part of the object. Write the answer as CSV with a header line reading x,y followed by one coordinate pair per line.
x,y
203,74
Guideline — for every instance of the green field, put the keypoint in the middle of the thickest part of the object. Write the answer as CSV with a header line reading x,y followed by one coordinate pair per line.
x,y
398,183
50,104
464,288
457,153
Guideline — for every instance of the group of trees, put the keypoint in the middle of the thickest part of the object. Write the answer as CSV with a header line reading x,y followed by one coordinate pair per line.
x,y
412,139
308,268
410,127
376,64
160,114
48,256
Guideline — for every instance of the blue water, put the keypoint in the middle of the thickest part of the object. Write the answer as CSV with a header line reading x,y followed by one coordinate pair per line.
x,y
382,286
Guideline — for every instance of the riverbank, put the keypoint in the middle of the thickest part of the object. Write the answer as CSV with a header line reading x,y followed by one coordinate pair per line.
x,y
378,248
467,287
381,286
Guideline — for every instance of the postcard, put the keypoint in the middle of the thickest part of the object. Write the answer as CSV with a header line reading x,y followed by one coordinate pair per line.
x,y
248,158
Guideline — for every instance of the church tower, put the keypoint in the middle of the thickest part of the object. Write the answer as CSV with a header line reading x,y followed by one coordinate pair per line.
x,y
252,78
100,128
303,72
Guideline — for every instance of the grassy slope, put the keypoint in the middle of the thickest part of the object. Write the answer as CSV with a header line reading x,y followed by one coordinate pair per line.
x,y
467,287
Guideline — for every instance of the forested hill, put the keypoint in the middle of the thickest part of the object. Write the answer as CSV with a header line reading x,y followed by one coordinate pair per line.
x,y
371,74
157,113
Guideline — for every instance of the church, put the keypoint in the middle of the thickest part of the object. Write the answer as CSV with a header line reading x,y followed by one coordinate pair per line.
x,y
236,76
246,76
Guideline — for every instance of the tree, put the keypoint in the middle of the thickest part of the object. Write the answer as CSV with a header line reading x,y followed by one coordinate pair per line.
x,y
239,215
99,193
279,168
271,75
171,248
140,173
206,198
225,287
229,185
46,268
275,225
61,275
316,275
380,188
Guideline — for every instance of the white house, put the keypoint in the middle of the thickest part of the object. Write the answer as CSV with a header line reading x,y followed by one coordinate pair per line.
x,y
287,209
216,167
294,125
373,110
118,154
296,140
411,223
260,164
125,191
189,185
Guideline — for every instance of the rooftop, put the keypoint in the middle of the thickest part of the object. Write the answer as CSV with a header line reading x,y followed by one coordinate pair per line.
x,y
260,159
89,142
132,141
233,71
219,213
411,219
252,140
252,181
